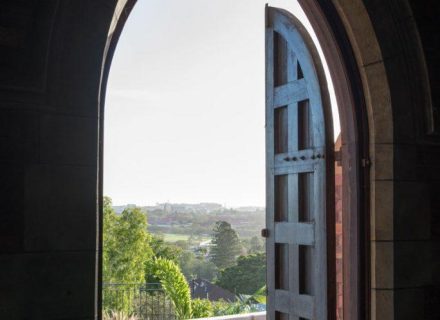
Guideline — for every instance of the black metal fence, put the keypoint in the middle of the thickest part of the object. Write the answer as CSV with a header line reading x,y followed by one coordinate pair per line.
x,y
141,301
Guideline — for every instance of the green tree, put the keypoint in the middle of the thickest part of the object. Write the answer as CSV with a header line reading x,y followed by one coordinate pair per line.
x,y
194,267
126,246
247,277
161,249
203,269
109,240
187,262
225,245
175,286
126,250
256,245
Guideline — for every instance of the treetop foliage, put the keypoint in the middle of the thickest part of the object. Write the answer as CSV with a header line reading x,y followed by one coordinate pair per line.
x,y
247,277
131,255
225,245
126,245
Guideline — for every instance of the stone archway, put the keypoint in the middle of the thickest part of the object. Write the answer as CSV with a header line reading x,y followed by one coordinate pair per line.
x,y
361,86
392,61
55,60
365,83
356,113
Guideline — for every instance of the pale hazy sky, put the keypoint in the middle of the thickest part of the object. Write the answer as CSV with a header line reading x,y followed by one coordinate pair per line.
x,y
184,115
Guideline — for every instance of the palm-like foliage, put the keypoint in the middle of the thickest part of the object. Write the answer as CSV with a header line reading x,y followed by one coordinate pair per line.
x,y
175,286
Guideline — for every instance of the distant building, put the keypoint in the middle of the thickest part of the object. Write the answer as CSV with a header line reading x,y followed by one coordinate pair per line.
x,y
204,289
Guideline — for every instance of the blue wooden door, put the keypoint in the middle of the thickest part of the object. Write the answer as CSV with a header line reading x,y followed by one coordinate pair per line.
x,y
299,179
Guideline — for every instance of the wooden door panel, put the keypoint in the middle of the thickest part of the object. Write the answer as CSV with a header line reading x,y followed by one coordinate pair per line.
x,y
297,206
289,93
295,233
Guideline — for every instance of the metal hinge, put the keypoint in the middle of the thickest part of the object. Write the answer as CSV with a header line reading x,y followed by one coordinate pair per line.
x,y
265,233
366,162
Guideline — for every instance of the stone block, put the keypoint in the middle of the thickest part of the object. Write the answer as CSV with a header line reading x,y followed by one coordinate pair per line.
x,y
407,164
389,31
378,100
60,208
69,140
382,304
47,286
412,264
355,17
11,209
18,137
382,264
382,161
406,113
409,304
382,226
432,302
412,213
76,72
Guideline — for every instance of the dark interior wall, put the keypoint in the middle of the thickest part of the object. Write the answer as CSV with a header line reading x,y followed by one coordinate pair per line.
x,y
426,15
408,35
51,53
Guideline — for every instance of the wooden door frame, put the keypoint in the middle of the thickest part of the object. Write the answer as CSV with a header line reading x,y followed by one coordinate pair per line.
x,y
348,88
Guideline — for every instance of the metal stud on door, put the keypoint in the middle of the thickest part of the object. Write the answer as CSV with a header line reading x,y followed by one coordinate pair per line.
x,y
299,177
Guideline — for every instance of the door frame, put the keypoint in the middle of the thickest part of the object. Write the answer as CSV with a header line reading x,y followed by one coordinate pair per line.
x,y
349,91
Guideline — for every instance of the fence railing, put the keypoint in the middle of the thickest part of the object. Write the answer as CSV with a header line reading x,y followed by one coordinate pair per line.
x,y
142,301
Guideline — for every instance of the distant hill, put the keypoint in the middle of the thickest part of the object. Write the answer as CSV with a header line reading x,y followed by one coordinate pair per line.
x,y
199,219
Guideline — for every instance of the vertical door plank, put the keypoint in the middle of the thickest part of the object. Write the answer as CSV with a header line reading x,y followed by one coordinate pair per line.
x,y
270,148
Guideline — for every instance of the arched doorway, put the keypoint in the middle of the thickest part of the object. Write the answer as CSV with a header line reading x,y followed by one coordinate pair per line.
x,y
353,127
356,40
55,60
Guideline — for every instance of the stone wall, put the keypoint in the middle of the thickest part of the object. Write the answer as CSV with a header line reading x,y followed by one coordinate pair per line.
x,y
407,250
51,55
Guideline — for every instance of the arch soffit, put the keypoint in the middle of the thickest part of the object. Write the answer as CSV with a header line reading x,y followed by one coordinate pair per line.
x,y
378,107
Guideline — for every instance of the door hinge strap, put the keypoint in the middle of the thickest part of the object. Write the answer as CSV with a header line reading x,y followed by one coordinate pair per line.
x,y
366,162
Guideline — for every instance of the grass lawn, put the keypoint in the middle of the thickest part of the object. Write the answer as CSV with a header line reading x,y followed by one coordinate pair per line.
x,y
172,237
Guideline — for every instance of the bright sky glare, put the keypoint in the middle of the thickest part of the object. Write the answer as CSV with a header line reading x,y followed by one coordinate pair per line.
x,y
184,115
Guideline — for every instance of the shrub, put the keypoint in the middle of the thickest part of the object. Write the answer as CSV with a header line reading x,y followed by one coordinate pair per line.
x,y
201,308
